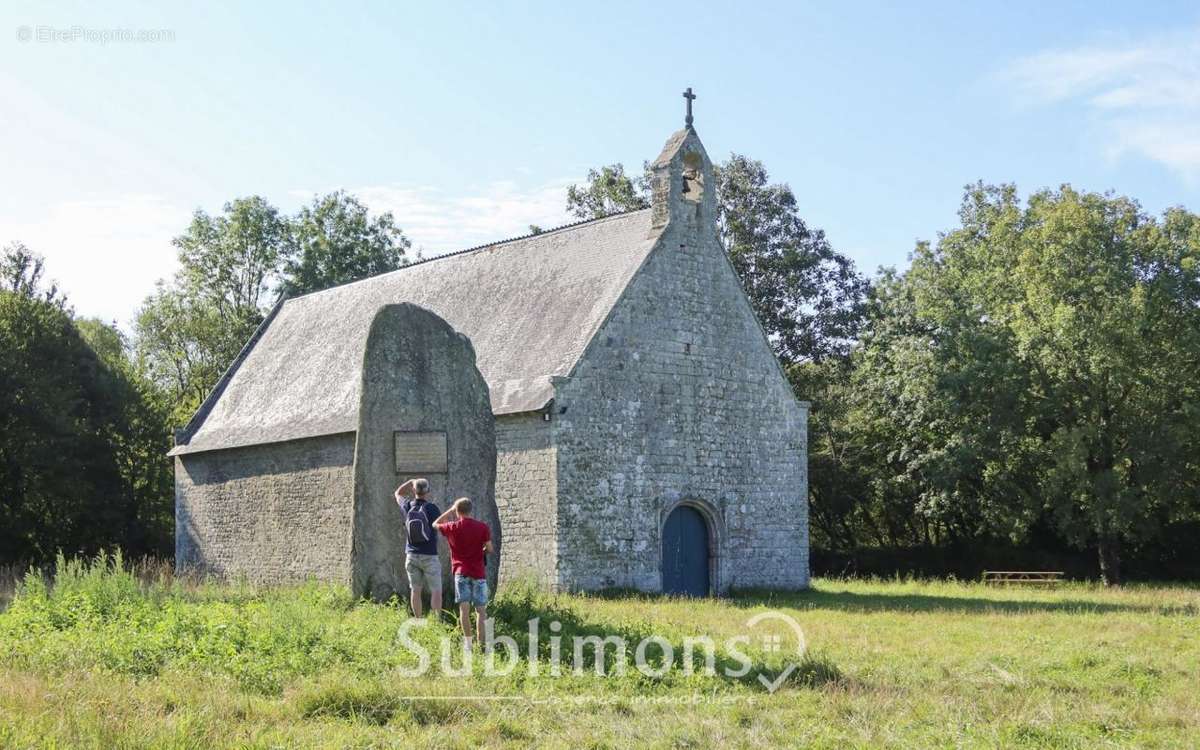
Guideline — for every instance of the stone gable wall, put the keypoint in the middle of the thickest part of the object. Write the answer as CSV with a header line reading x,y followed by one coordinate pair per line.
x,y
271,513
526,497
680,399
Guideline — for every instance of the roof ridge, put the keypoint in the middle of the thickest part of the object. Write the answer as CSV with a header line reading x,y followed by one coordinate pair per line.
x,y
476,248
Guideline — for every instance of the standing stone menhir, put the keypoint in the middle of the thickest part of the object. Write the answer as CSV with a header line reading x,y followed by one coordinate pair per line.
x,y
425,412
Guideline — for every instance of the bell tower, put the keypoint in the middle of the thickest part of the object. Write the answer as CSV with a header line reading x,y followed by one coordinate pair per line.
x,y
683,187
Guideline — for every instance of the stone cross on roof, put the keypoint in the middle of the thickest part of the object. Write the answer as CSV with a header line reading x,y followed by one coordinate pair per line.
x,y
689,96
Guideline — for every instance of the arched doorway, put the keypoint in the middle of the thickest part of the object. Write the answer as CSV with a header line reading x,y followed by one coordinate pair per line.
x,y
685,553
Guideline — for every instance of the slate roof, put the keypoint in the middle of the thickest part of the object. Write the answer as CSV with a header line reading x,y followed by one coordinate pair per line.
x,y
530,306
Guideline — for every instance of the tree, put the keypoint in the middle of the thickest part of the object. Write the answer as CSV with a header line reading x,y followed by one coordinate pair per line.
x,y
182,345
808,297
231,261
838,458
21,272
190,330
608,191
334,240
1050,365
935,407
81,455
140,443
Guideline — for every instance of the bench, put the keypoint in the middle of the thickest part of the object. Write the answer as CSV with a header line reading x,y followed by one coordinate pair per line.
x,y
1022,577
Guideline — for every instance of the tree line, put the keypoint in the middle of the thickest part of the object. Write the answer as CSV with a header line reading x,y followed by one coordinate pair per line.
x,y
87,414
1033,375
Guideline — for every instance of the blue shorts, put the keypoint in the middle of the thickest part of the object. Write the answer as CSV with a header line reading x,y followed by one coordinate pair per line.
x,y
470,590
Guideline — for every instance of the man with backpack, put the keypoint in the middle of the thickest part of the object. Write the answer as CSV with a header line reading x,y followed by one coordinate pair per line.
x,y
421,561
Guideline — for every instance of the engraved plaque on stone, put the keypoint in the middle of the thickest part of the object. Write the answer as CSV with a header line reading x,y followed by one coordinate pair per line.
x,y
420,452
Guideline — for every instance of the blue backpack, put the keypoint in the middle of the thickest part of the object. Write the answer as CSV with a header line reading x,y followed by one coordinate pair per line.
x,y
419,529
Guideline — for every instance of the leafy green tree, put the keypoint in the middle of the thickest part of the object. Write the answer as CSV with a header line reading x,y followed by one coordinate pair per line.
x,y
934,407
335,240
608,191
81,456
22,270
231,261
189,331
183,345
837,458
1048,366
108,342
808,297
140,441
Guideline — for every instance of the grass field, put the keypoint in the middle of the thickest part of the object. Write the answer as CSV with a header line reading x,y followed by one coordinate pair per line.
x,y
107,659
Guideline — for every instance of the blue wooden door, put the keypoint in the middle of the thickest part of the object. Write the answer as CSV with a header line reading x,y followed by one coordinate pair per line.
x,y
685,553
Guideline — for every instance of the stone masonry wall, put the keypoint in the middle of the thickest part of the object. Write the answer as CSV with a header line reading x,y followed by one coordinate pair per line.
x,y
272,513
526,497
680,399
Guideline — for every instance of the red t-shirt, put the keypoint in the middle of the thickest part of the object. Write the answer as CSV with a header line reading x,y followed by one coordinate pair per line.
x,y
467,537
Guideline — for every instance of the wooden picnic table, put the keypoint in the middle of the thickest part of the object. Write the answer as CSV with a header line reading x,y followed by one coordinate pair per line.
x,y
1035,577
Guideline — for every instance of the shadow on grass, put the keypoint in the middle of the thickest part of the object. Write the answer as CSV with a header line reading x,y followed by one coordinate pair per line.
x,y
512,614
829,597
853,601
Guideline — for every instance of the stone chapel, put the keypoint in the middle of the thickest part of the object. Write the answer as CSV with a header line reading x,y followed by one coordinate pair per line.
x,y
645,434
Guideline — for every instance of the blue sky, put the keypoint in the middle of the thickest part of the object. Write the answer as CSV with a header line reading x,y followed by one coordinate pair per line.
x,y
468,120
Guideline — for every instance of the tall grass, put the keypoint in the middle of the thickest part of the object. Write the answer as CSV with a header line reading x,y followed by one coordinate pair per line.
x,y
112,653
106,614
147,571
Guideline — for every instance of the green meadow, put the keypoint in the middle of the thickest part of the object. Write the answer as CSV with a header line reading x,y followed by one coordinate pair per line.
x,y
106,655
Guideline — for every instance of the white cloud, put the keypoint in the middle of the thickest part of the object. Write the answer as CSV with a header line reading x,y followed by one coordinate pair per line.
x,y
1174,143
105,254
1144,93
438,221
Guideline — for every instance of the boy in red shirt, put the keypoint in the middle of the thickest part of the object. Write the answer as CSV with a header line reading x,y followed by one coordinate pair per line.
x,y
469,539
